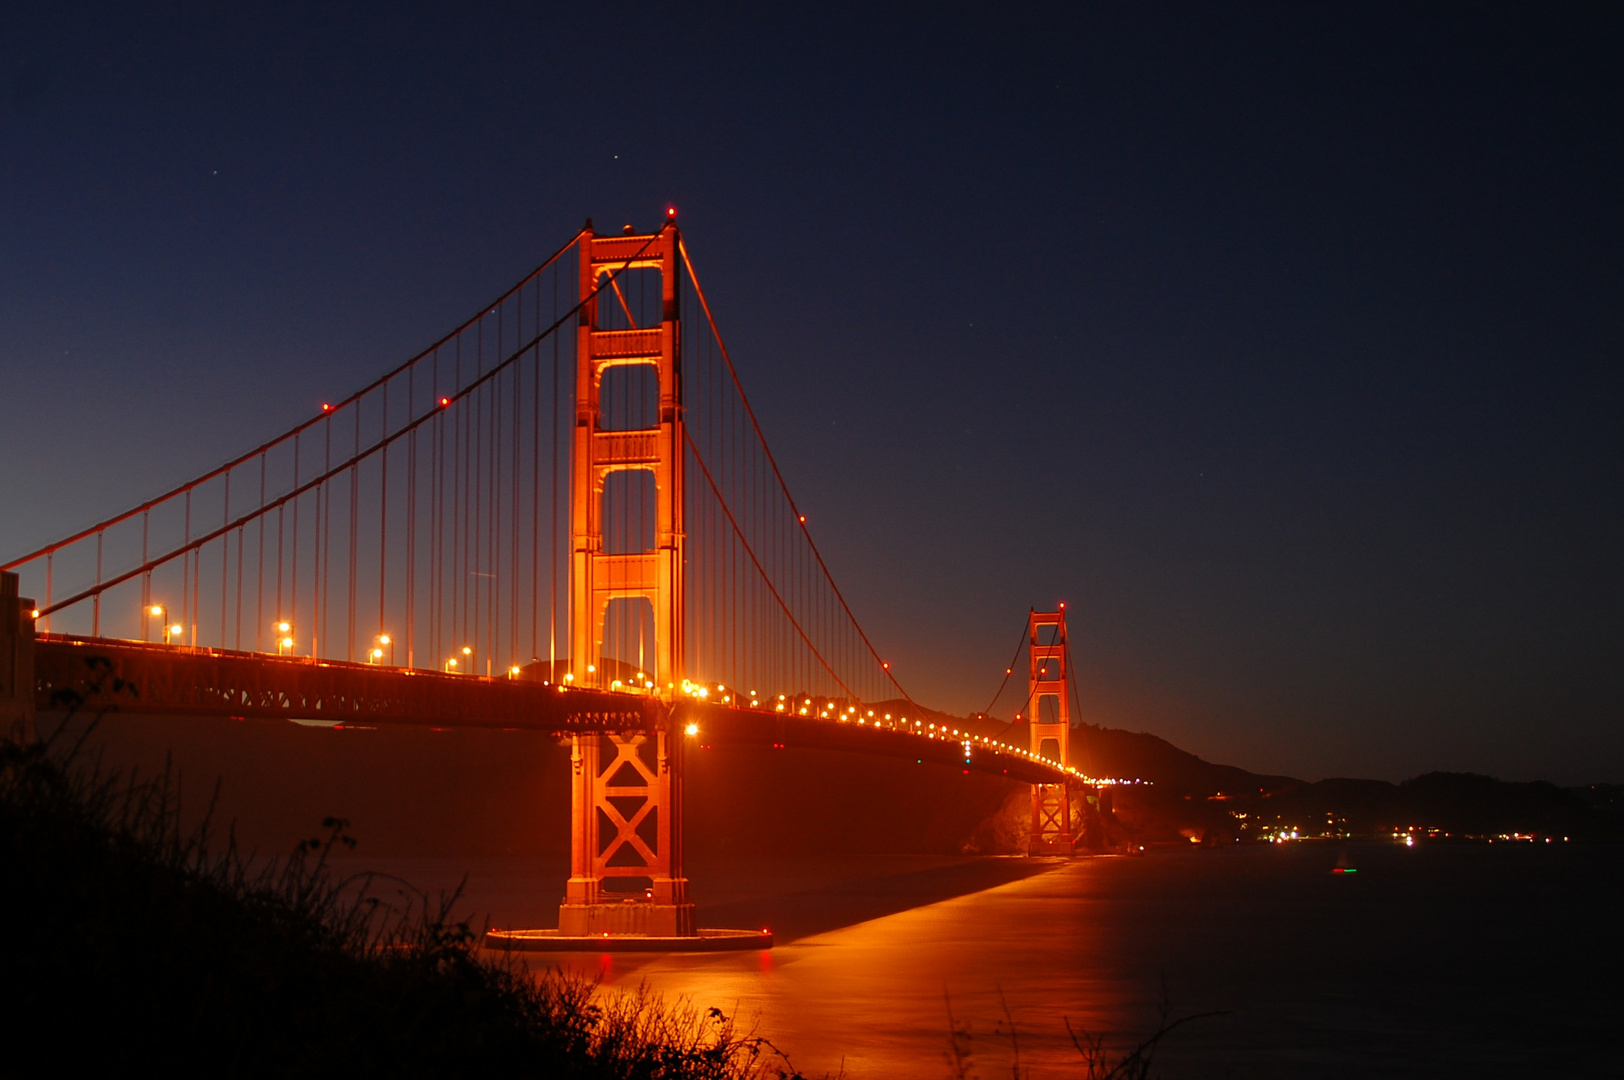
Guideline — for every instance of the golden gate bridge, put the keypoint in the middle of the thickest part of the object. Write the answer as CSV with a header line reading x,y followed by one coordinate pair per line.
x,y
561,516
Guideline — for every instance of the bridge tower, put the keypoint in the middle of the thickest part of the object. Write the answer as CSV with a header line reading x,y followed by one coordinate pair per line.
x,y
16,661
1050,724
626,821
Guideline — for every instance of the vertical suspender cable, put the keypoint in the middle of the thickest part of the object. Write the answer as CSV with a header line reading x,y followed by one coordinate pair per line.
x,y
318,557
552,524
293,587
491,520
186,577
146,578
324,499
354,538
457,515
95,608
280,510
433,636
513,581
259,599
236,642
492,616
411,522
225,562
489,455
535,495
196,623
437,549
383,515
463,520
475,547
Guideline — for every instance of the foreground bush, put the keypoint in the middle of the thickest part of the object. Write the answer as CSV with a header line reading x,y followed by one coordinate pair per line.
x,y
132,944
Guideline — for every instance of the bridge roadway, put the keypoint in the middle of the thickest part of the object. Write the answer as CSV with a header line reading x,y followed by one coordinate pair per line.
x,y
95,674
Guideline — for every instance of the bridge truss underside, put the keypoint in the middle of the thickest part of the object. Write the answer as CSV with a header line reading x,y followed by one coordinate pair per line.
x,y
96,676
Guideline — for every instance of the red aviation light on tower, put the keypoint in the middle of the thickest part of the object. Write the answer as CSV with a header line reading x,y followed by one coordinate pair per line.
x,y
671,213
444,402
326,407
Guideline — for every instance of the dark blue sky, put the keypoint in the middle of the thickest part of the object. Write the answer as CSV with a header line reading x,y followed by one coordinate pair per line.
x,y
1284,345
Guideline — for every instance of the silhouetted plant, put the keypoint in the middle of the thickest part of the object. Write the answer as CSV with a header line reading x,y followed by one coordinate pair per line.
x,y
1098,1064
135,941
1096,1061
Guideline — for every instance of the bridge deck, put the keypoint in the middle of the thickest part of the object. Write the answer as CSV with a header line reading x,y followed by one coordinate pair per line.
x,y
95,674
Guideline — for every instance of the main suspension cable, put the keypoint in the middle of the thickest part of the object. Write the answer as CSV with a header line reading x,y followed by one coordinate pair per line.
x,y
771,460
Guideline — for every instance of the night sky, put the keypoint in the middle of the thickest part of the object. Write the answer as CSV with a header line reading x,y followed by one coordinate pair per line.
x,y
1284,346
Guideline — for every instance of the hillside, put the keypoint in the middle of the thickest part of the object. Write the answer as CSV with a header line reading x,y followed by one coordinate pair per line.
x,y
1185,796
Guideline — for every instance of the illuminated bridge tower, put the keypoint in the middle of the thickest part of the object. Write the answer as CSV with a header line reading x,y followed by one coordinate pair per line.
x,y
1050,724
626,819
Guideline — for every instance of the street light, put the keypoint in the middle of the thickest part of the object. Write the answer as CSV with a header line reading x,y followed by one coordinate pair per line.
x,y
284,639
386,642
162,613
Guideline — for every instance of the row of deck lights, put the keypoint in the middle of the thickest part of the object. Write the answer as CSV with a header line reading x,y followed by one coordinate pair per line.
x,y
805,705
285,643
700,691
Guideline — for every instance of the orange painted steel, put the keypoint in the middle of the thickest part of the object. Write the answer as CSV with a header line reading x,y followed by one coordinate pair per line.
x,y
174,680
171,680
626,804
597,576
721,727
1049,680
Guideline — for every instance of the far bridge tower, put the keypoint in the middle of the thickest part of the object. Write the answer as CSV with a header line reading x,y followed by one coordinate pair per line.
x,y
1049,721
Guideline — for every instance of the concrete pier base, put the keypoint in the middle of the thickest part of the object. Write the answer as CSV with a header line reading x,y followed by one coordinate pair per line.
x,y
555,941
628,917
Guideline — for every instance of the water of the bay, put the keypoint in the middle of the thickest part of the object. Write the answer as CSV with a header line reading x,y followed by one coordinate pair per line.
x,y
1479,960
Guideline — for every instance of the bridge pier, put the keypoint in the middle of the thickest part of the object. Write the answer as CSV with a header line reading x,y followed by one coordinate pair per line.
x,y
16,661
626,828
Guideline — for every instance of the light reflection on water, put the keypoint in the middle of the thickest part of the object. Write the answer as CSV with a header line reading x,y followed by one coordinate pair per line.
x,y
1438,961
1452,961
874,998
